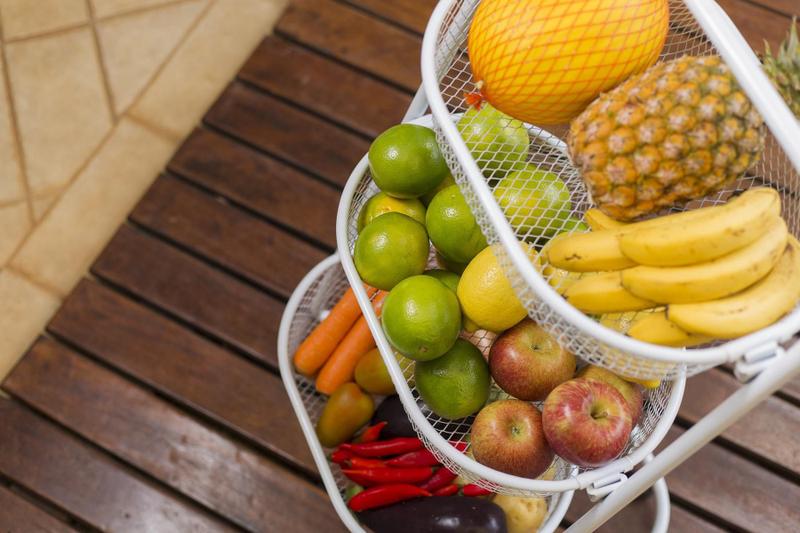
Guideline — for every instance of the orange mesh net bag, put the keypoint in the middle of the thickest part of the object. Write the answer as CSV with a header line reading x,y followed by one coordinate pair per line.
x,y
544,61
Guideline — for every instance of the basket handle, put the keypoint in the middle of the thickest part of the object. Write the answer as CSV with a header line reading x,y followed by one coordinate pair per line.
x,y
741,59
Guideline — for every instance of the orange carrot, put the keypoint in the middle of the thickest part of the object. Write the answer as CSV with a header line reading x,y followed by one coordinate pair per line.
x,y
342,363
320,344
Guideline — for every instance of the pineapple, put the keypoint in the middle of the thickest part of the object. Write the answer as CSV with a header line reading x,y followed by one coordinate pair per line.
x,y
677,132
784,69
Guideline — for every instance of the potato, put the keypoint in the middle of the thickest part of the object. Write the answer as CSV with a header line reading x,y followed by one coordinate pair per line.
x,y
523,515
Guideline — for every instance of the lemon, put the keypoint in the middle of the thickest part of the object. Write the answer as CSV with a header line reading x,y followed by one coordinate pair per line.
x,y
382,203
486,296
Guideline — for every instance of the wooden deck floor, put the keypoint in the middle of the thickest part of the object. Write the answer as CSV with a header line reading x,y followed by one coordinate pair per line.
x,y
153,401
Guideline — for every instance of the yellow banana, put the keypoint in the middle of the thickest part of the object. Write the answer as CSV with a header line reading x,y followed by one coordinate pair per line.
x,y
622,322
646,383
598,220
708,281
722,230
657,329
558,278
750,310
588,252
603,293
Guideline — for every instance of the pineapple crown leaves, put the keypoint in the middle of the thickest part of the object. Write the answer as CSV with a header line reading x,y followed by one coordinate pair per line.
x,y
784,68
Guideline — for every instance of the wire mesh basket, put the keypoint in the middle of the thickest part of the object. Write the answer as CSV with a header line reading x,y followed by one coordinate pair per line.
x,y
444,437
696,27
316,294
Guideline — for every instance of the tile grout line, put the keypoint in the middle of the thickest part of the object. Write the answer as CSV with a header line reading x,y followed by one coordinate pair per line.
x,y
102,64
138,10
154,129
35,282
20,152
168,58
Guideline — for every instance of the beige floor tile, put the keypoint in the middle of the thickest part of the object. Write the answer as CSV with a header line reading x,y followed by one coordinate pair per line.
x,y
14,225
11,187
23,18
135,45
41,204
66,241
60,102
209,57
24,311
105,8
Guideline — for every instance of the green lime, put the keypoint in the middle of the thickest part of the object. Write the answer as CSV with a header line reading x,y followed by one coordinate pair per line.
x,y
536,202
450,279
421,317
405,161
446,182
452,228
456,384
498,142
382,203
389,249
452,266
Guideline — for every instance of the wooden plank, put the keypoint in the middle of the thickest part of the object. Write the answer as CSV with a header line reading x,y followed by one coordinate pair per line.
x,y
20,516
411,14
756,23
774,417
639,516
183,366
739,492
147,432
355,38
325,86
252,248
260,183
284,131
198,294
87,483
787,7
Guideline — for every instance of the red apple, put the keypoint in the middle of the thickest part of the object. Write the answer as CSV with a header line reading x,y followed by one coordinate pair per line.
x,y
630,391
587,422
507,436
528,363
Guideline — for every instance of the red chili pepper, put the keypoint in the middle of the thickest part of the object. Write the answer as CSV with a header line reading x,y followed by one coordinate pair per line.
x,y
371,434
474,490
459,445
439,479
385,495
360,463
386,476
417,458
382,448
339,456
447,490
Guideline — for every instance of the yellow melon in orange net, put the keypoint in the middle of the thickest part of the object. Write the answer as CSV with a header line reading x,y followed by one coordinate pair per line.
x,y
544,61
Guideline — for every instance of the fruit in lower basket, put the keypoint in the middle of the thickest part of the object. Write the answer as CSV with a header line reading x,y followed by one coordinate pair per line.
x,y
507,435
391,411
346,411
486,296
452,227
497,142
543,62
523,514
784,68
382,203
438,514
456,384
630,391
678,132
750,310
587,422
421,318
405,161
372,375
535,202
528,363
389,249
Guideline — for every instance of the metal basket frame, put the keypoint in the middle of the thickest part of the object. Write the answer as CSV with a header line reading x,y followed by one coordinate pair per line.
x,y
589,339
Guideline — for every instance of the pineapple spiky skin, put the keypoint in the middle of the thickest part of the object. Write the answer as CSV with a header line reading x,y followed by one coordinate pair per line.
x,y
679,131
784,69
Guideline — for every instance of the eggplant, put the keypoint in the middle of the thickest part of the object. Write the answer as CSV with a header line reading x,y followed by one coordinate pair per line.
x,y
391,411
437,514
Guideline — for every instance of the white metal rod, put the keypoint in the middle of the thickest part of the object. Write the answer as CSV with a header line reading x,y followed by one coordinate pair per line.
x,y
418,105
738,404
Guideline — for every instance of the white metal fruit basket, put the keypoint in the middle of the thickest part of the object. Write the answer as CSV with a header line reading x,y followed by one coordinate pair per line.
x,y
314,296
660,409
696,27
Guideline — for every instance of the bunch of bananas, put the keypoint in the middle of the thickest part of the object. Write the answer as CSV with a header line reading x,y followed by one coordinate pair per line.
x,y
684,279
